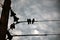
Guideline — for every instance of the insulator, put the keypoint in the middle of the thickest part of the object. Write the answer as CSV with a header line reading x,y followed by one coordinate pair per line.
x,y
15,19
12,13
9,35
12,26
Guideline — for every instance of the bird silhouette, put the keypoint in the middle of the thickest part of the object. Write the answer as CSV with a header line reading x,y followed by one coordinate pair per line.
x,y
33,20
29,21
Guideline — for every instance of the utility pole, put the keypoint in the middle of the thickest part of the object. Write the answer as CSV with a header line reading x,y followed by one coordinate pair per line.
x,y
4,19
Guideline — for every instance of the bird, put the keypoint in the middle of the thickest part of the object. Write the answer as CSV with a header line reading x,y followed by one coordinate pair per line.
x,y
29,21
33,20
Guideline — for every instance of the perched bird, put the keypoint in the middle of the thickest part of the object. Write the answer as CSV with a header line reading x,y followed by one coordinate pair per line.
x,y
29,21
33,20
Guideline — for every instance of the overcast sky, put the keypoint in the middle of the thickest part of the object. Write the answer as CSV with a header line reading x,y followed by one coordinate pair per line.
x,y
40,10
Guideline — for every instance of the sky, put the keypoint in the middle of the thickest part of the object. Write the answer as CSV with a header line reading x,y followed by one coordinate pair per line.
x,y
40,10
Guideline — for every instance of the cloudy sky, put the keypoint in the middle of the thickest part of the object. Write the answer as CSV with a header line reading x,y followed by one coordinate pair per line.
x,y
40,10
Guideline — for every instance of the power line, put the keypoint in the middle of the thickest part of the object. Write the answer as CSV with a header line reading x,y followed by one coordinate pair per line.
x,y
11,36
40,21
35,35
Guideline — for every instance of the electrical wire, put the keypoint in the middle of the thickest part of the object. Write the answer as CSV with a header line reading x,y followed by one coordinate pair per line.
x,y
40,21
35,35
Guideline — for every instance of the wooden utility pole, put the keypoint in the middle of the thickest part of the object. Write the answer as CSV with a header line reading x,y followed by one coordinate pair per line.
x,y
4,19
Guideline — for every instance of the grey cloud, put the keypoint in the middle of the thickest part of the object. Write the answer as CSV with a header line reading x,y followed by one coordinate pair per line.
x,y
39,9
